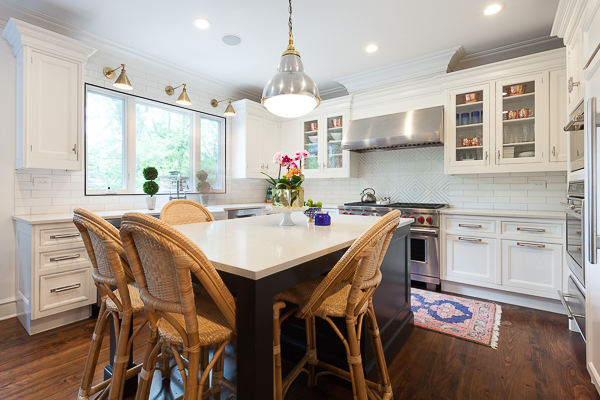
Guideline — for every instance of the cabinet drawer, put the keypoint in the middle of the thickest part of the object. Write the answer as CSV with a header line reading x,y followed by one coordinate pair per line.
x,y
473,226
58,236
532,265
63,260
532,230
66,290
471,258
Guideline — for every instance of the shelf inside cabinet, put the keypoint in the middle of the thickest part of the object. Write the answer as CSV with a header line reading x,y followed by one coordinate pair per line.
x,y
468,126
334,129
517,120
465,105
335,141
519,144
518,96
469,148
309,132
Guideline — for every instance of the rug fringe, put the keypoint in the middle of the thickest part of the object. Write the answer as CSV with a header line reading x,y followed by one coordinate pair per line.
x,y
496,328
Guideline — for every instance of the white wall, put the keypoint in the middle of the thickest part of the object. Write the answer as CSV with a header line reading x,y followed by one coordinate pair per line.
x,y
417,175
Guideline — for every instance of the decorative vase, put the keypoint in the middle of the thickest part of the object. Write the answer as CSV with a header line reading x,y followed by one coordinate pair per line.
x,y
288,197
151,202
204,199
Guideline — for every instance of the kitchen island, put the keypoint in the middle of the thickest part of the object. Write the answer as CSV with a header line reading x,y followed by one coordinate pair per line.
x,y
257,259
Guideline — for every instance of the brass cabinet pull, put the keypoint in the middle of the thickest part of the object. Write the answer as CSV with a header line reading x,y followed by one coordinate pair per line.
x,y
64,236
471,240
65,288
470,226
531,230
62,258
537,246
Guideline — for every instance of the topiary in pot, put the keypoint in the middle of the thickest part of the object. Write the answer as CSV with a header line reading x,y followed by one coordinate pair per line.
x,y
150,187
203,186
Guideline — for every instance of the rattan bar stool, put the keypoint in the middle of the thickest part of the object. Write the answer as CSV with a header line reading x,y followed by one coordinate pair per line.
x,y
346,292
110,268
184,322
181,212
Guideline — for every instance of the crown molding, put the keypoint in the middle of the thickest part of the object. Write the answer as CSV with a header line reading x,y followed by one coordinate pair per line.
x,y
567,18
510,51
416,68
331,93
109,48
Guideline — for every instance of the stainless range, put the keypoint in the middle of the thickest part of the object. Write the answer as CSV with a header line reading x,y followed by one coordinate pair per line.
x,y
424,234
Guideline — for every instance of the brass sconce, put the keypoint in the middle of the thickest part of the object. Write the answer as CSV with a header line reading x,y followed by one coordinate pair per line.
x,y
229,111
183,97
122,81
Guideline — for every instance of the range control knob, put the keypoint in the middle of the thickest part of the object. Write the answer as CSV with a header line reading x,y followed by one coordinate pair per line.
x,y
429,220
350,213
363,214
421,220
405,216
344,212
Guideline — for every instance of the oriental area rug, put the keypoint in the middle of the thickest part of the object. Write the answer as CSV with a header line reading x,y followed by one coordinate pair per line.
x,y
473,320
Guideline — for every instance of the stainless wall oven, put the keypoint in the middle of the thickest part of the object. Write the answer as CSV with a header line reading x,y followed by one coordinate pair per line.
x,y
577,137
575,243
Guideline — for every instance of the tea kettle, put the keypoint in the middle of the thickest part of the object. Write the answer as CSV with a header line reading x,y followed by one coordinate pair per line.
x,y
368,197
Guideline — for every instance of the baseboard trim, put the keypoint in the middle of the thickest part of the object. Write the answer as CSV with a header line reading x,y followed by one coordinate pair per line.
x,y
517,299
8,309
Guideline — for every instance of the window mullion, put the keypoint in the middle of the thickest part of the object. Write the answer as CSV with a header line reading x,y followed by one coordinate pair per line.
x,y
131,144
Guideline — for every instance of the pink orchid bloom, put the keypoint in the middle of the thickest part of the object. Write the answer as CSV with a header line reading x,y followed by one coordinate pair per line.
x,y
278,158
293,165
286,160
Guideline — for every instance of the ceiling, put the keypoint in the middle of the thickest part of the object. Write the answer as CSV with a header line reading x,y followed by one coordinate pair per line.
x,y
331,35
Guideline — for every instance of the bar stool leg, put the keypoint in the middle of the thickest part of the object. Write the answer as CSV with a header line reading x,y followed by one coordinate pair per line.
x,y
355,361
217,374
94,352
204,353
121,358
311,339
143,391
277,378
384,378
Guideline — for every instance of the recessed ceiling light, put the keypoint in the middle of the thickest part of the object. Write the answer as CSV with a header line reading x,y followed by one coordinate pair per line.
x,y
372,48
202,23
232,40
494,9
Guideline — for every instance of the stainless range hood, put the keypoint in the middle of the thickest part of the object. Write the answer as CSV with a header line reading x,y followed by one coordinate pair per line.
x,y
415,128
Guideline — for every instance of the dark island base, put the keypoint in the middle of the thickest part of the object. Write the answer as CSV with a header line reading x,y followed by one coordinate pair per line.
x,y
392,309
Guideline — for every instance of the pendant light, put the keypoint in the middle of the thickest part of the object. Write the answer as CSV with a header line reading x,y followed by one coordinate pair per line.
x,y
290,93
183,99
122,81
229,111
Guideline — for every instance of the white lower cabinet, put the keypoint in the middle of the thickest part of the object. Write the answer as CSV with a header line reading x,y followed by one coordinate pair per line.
x,y
520,255
471,258
532,265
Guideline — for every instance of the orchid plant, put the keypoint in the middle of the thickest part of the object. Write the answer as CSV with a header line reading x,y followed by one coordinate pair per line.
x,y
293,178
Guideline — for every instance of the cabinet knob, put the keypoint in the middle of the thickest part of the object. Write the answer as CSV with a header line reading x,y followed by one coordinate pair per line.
x,y
554,151
498,154
75,148
572,84
324,166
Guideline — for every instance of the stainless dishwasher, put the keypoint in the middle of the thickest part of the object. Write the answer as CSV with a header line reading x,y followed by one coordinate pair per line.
x,y
243,213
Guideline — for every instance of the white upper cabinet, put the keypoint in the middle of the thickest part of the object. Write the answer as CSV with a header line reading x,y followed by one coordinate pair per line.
x,y
50,97
255,139
509,124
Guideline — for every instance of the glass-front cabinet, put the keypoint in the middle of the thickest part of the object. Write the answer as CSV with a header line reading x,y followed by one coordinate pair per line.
x,y
311,144
519,137
334,158
470,144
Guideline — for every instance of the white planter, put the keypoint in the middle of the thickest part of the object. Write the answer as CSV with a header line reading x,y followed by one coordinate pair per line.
x,y
151,202
204,199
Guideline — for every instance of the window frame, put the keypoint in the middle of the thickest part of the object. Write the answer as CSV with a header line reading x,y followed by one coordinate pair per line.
x,y
130,140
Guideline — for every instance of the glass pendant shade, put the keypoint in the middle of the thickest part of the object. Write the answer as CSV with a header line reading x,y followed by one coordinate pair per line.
x,y
229,111
290,93
122,82
183,98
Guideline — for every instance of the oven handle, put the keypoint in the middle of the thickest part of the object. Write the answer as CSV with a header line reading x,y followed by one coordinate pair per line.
x,y
592,181
570,314
425,231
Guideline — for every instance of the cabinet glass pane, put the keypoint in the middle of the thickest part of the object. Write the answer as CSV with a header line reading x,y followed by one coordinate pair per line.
x,y
334,142
469,126
518,120
311,143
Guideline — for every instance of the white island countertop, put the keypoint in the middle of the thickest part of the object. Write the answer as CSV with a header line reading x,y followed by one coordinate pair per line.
x,y
68,217
258,247
505,213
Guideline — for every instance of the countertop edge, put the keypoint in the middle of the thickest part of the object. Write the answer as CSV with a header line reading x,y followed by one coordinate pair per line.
x,y
556,215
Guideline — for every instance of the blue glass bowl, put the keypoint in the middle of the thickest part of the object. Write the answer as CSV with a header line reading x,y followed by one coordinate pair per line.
x,y
311,212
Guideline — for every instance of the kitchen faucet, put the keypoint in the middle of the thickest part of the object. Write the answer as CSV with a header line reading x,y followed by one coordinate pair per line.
x,y
179,187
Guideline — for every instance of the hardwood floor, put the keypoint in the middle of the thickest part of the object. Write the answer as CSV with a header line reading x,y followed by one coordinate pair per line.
x,y
537,359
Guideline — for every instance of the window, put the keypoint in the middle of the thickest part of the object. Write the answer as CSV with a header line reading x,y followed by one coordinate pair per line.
x,y
125,134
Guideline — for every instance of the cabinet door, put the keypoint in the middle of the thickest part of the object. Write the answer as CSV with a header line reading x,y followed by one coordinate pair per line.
x,y
254,128
53,118
471,258
311,142
558,116
522,119
469,126
270,145
334,128
574,89
532,265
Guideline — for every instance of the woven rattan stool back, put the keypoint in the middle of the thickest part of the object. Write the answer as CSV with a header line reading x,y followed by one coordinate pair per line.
x,y
359,266
105,249
162,260
181,212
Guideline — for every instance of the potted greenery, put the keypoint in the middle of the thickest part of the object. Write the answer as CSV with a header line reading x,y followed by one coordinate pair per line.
x,y
288,191
150,187
203,186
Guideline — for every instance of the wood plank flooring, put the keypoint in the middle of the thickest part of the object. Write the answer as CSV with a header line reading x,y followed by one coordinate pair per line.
x,y
537,359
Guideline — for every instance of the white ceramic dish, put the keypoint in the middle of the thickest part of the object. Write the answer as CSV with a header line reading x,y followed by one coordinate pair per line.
x,y
336,135
526,154
314,138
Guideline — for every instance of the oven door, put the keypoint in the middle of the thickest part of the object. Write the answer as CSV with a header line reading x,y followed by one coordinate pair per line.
x,y
575,249
424,255
577,140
